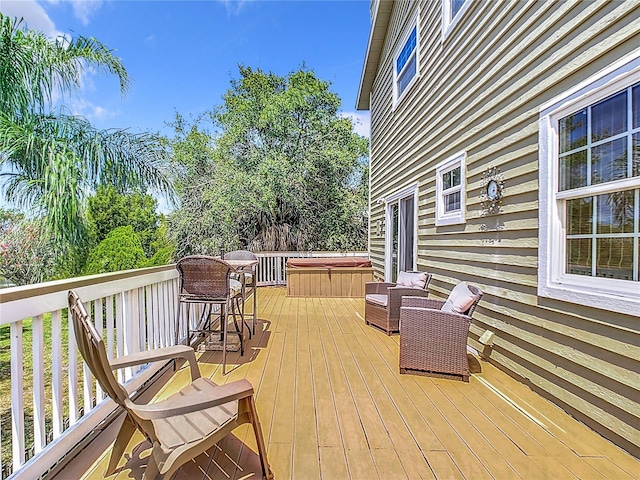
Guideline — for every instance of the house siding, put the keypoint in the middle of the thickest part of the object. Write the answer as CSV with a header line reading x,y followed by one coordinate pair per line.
x,y
480,90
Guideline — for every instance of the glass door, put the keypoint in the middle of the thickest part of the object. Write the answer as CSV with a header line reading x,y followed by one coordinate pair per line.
x,y
400,237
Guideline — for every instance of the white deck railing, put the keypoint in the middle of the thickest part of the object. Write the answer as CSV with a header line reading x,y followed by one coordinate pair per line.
x,y
134,310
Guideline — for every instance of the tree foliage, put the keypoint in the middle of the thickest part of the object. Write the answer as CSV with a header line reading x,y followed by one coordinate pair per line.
x,y
277,168
107,209
53,159
120,250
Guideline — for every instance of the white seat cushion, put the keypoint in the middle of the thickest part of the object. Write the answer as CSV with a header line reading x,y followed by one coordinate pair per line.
x,y
412,279
376,299
460,299
235,287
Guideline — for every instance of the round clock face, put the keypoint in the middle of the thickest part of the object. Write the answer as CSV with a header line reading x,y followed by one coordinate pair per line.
x,y
492,190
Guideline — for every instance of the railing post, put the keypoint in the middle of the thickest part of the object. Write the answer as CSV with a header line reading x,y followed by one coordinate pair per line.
x,y
17,395
56,373
37,339
73,374
98,317
120,326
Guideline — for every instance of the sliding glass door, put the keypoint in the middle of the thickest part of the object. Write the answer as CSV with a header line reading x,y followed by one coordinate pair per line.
x,y
401,236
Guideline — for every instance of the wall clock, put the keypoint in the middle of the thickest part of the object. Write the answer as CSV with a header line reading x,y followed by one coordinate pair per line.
x,y
492,191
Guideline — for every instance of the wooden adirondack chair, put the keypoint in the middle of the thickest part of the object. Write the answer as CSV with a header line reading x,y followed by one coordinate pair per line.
x,y
184,425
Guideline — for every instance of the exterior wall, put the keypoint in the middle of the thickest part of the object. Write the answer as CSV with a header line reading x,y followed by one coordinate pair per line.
x,y
480,90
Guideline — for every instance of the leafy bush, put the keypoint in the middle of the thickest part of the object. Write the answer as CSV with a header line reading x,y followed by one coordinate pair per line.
x,y
120,250
163,256
27,255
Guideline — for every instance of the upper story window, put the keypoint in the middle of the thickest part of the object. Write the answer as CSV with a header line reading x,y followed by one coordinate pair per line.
x,y
590,195
450,190
452,10
405,65
456,5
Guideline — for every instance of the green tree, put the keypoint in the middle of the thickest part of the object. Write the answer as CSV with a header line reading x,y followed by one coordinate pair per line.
x,y
279,169
53,158
107,209
120,250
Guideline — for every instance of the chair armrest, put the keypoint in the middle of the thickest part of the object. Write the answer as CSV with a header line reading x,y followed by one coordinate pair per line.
x,y
403,291
422,302
395,298
194,403
176,351
377,288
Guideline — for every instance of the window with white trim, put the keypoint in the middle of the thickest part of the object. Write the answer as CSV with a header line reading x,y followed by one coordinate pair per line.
x,y
450,190
452,10
405,64
590,194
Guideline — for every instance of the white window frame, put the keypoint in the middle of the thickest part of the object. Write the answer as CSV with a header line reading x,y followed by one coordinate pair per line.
x,y
411,190
451,218
616,295
448,21
397,97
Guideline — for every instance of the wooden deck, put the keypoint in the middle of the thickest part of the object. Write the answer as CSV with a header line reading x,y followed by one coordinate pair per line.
x,y
333,405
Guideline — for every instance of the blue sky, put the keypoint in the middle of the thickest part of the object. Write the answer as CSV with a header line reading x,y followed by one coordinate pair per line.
x,y
181,55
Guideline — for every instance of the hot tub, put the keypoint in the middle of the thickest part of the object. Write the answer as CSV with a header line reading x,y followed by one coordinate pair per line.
x,y
328,276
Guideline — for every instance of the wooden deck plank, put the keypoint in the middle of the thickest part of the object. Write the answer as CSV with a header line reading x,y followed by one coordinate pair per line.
x,y
357,451
305,438
443,466
509,451
334,406
393,429
333,460
564,428
333,463
610,470
328,429
282,426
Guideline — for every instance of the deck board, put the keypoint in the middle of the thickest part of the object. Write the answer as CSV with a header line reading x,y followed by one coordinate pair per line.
x,y
333,406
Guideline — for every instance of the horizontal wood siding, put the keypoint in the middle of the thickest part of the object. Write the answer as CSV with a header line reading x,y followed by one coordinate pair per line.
x,y
480,90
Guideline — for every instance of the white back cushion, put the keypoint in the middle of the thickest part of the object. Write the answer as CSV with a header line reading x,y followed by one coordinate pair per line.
x,y
412,279
460,299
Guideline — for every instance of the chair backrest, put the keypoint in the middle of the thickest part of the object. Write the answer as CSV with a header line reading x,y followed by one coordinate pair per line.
x,y
478,293
240,255
92,348
203,277
413,273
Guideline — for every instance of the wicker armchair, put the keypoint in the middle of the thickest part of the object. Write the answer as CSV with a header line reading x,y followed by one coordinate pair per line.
x,y
382,302
434,342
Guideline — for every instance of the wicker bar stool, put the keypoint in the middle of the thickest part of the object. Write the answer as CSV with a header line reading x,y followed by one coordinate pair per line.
x,y
207,280
249,274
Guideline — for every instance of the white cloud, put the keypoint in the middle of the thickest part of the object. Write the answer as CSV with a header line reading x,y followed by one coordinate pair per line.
x,y
361,122
85,9
90,111
234,7
34,15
